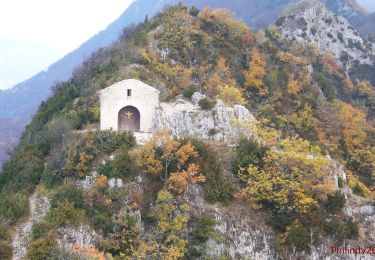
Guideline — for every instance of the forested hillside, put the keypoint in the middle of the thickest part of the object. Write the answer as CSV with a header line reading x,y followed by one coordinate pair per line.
x,y
309,110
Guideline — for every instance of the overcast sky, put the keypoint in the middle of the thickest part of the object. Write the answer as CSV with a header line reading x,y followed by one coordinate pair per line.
x,y
36,33
368,4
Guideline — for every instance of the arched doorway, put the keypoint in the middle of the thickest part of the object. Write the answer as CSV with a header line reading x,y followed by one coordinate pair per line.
x,y
129,119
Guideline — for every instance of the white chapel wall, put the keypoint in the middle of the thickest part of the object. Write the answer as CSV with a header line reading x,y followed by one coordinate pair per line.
x,y
112,99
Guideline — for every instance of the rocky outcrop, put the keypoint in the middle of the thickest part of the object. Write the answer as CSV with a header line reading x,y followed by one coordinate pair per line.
x,y
311,22
183,117
39,206
243,232
70,236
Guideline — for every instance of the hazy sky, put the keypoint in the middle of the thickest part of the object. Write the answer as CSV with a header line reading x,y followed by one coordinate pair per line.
x,y
36,33
368,4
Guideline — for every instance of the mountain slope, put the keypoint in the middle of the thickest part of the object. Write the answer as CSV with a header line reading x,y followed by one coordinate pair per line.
x,y
18,104
178,197
310,21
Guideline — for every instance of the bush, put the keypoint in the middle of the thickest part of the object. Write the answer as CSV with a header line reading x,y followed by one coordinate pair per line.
x,y
206,104
335,202
188,92
298,237
68,193
194,11
65,214
205,230
122,164
340,37
5,243
248,151
109,141
42,248
342,230
13,206
40,229
217,188
6,249
326,85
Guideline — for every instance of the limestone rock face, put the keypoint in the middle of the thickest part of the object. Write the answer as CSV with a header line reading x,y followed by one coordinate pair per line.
x,y
244,234
196,97
185,118
39,206
311,22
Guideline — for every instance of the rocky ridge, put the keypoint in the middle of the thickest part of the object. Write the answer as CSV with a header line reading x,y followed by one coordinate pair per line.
x,y
39,206
310,21
183,117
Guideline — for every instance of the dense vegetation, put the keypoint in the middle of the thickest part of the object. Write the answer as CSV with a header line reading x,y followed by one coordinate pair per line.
x,y
307,108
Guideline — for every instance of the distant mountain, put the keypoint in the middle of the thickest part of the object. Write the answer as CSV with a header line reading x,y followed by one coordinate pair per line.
x,y
18,104
366,25
310,21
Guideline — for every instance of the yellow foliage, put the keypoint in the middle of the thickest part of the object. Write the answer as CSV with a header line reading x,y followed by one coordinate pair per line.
x,y
101,181
82,167
331,64
294,177
221,76
293,86
348,87
179,181
184,153
231,95
224,17
88,252
256,72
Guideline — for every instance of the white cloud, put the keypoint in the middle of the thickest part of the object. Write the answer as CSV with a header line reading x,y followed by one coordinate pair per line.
x,y
368,4
59,24
50,28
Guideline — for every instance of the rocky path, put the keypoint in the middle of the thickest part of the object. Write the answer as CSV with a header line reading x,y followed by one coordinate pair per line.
x,y
38,209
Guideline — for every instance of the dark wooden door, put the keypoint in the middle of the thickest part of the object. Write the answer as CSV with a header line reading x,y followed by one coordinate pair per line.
x,y
129,119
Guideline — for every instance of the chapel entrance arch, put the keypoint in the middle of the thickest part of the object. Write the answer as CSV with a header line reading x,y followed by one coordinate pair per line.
x,y
129,119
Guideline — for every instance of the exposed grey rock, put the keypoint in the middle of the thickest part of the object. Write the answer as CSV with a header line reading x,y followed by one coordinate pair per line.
x,y
83,235
196,97
39,206
185,118
243,237
311,22
115,183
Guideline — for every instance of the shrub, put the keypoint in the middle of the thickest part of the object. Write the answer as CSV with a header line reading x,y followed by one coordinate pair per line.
x,y
231,96
297,237
217,188
122,164
340,37
326,85
188,92
5,243
6,249
206,104
109,141
194,11
342,230
205,230
42,248
40,229
69,193
65,214
248,151
335,202
13,206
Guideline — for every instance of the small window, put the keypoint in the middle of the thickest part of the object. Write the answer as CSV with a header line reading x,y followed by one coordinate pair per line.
x,y
129,92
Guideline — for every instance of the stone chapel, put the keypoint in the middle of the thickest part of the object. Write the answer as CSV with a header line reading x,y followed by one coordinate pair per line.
x,y
128,105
